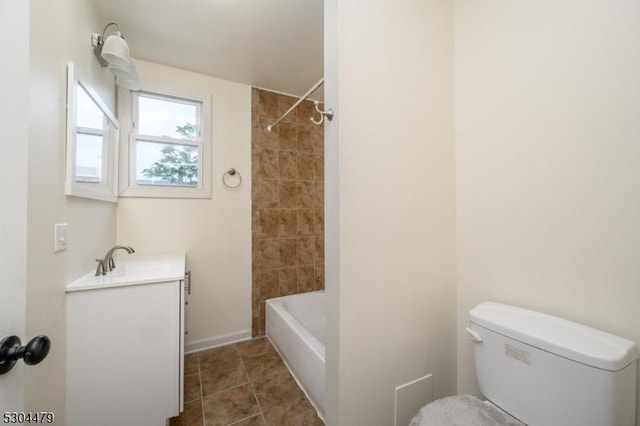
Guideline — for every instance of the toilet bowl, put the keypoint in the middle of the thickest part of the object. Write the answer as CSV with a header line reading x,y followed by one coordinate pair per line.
x,y
539,370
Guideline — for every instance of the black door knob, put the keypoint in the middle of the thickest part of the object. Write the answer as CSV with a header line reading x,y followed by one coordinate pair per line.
x,y
33,353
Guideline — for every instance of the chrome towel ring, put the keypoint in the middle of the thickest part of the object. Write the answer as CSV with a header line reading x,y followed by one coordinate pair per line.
x,y
232,173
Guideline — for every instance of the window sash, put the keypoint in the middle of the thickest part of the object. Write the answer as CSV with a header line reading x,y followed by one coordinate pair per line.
x,y
185,101
136,137
171,141
134,169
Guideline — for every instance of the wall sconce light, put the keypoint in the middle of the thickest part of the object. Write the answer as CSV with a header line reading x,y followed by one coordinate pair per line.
x,y
113,53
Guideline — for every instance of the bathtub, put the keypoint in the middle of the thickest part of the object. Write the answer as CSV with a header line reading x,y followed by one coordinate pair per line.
x,y
296,327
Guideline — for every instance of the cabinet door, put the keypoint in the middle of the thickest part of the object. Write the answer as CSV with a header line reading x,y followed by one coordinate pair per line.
x,y
123,355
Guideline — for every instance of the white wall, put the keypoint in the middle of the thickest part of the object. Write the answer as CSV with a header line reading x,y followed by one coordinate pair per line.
x,y
60,32
14,25
547,161
215,233
390,204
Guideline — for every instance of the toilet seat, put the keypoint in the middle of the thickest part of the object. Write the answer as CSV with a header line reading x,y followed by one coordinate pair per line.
x,y
464,410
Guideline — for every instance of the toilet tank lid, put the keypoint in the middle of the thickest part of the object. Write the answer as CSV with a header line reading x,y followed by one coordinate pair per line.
x,y
556,335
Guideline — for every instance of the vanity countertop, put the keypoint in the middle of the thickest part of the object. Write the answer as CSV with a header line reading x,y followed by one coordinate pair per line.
x,y
134,269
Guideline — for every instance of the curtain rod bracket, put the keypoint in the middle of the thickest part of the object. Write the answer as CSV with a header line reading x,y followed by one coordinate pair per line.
x,y
328,114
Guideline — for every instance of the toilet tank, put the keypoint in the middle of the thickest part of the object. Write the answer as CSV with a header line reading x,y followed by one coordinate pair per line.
x,y
547,371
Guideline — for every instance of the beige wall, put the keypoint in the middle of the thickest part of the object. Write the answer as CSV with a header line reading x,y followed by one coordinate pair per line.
x,y
547,161
215,233
59,32
390,204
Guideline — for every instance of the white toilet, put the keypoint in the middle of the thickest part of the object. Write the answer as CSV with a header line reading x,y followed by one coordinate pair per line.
x,y
540,370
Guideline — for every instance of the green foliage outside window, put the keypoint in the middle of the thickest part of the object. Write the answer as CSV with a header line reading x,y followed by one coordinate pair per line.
x,y
178,164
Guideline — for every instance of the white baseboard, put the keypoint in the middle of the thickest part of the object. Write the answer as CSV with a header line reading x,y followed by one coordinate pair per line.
x,y
214,342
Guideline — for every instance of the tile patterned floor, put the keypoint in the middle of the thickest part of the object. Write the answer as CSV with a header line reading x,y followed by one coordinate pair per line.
x,y
243,384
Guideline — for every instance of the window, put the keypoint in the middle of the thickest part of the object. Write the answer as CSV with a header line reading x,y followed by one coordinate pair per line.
x,y
169,146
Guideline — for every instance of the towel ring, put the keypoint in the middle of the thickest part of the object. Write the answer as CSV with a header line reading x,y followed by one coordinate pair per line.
x,y
231,172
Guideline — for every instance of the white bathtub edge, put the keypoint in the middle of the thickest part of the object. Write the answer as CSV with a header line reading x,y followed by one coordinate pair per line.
x,y
307,363
309,340
311,400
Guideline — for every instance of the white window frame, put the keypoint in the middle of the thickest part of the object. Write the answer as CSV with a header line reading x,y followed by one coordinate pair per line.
x,y
129,187
106,188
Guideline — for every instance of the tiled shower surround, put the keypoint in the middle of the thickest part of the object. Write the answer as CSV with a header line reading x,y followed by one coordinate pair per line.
x,y
287,227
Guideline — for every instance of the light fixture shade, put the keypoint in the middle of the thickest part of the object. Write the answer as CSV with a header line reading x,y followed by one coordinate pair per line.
x,y
116,51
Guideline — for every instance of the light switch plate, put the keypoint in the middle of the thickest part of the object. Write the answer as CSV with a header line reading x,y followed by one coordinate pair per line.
x,y
60,237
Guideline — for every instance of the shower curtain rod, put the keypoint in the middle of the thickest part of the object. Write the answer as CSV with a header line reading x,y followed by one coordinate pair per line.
x,y
298,102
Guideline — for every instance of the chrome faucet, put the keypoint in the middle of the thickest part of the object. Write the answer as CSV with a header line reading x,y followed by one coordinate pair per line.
x,y
107,263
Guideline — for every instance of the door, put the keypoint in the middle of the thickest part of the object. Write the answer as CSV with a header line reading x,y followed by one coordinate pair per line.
x,y
14,51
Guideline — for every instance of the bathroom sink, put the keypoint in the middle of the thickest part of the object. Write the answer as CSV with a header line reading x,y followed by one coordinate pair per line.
x,y
134,269
138,269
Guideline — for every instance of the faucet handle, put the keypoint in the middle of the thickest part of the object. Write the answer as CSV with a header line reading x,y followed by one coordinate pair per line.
x,y
112,264
100,269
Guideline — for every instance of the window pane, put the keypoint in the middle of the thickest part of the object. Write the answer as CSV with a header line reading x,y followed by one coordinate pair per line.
x,y
166,164
166,117
89,115
88,158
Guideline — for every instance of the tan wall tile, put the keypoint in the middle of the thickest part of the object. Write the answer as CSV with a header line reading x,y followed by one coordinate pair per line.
x,y
284,103
255,161
288,192
306,250
269,284
289,252
305,138
267,104
269,254
318,221
288,165
306,110
254,123
268,164
318,195
316,136
267,139
288,136
288,281
255,253
261,320
318,277
306,221
269,223
318,249
306,191
318,168
305,279
289,223
306,166
266,194
287,201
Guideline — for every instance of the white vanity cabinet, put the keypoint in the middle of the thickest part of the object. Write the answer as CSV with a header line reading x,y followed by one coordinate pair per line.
x,y
125,346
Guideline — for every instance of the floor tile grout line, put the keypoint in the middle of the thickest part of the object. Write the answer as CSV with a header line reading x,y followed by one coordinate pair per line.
x,y
253,390
263,350
201,391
